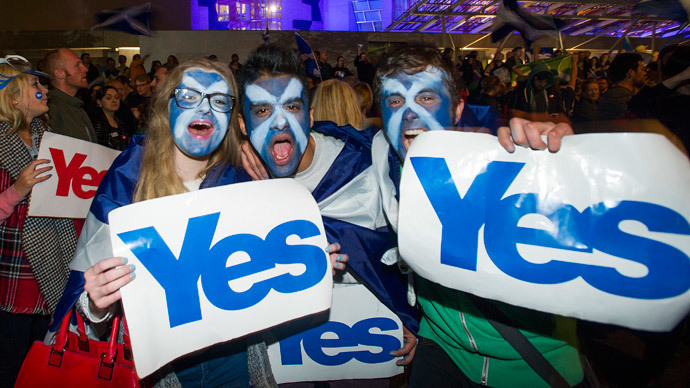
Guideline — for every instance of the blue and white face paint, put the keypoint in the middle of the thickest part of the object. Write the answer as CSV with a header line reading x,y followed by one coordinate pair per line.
x,y
199,131
413,103
277,121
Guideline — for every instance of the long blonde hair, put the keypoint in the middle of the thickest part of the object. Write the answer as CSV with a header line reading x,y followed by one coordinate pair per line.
x,y
336,101
12,91
158,176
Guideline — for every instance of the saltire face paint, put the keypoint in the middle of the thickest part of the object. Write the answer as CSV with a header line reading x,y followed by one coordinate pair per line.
x,y
199,131
276,115
39,95
413,103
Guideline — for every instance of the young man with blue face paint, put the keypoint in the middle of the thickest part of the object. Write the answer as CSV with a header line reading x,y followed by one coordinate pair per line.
x,y
458,347
334,163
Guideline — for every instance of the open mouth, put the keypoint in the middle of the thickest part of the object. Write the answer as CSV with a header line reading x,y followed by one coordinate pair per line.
x,y
409,135
200,129
281,149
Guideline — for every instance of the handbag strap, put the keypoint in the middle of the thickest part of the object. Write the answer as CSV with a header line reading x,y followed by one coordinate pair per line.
x,y
112,342
61,337
517,340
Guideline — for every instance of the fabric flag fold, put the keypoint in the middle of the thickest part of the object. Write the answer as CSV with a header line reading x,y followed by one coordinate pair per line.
x,y
511,17
132,20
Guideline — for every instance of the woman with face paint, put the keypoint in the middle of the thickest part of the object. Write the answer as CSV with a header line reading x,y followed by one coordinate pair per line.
x,y
34,252
191,144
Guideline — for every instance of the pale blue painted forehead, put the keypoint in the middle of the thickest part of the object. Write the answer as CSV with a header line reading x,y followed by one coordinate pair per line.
x,y
204,81
277,85
431,77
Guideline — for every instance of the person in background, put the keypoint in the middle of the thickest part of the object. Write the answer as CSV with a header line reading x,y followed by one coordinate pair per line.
x,y
35,250
365,69
110,72
172,61
155,65
136,68
111,130
586,106
122,69
627,73
142,88
365,97
67,76
91,69
160,76
340,71
336,101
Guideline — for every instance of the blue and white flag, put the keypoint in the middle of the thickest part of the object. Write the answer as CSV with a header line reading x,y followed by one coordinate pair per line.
x,y
510,17
132,20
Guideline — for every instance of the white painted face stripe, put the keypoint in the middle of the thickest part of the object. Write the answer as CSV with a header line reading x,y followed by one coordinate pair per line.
x,y
394,86
219,86
259,95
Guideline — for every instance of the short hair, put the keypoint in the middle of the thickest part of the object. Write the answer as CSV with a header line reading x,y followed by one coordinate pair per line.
x,y
53,61
83,55
517,48
414,59
336,101
270,60
136,56
620,65
590,82
143,78
110,59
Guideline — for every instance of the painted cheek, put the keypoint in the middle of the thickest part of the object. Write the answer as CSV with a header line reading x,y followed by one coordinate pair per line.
x,y
39,95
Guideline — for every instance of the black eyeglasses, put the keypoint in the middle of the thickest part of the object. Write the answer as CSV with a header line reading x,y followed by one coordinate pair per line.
x,y
191,99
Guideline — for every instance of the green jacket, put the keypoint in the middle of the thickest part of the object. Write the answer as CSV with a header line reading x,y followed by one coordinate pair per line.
x,y
452,321
67,116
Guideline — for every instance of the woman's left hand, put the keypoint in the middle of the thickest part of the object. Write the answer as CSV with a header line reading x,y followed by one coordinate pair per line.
x,y
338,259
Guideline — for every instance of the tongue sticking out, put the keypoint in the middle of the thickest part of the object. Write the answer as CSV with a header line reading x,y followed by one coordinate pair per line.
x,y
281,152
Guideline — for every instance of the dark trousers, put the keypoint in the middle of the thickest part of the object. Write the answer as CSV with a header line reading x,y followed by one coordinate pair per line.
x,y
432,367
17,333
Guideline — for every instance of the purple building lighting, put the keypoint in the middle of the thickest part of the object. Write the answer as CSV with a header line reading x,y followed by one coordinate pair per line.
x,y
314,15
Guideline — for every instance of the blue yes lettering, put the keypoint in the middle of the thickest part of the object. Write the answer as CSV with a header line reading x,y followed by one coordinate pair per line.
x,y
597,227
198,259
358,334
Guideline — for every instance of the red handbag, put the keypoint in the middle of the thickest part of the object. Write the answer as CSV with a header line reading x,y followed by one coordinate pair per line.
x,y
78,361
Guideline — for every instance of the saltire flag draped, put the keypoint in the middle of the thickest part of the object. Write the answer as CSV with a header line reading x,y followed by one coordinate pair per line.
x,y
510,17
132,20
678,10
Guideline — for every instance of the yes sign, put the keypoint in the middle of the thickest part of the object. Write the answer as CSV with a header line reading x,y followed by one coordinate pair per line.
x,y
628,243
79,167
217,264
355,342
200,259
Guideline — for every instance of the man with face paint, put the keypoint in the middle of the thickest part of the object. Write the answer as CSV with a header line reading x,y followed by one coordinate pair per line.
x,y
334,163
458,347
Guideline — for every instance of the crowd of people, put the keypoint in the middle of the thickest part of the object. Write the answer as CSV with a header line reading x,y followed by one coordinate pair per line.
x,y
262,120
